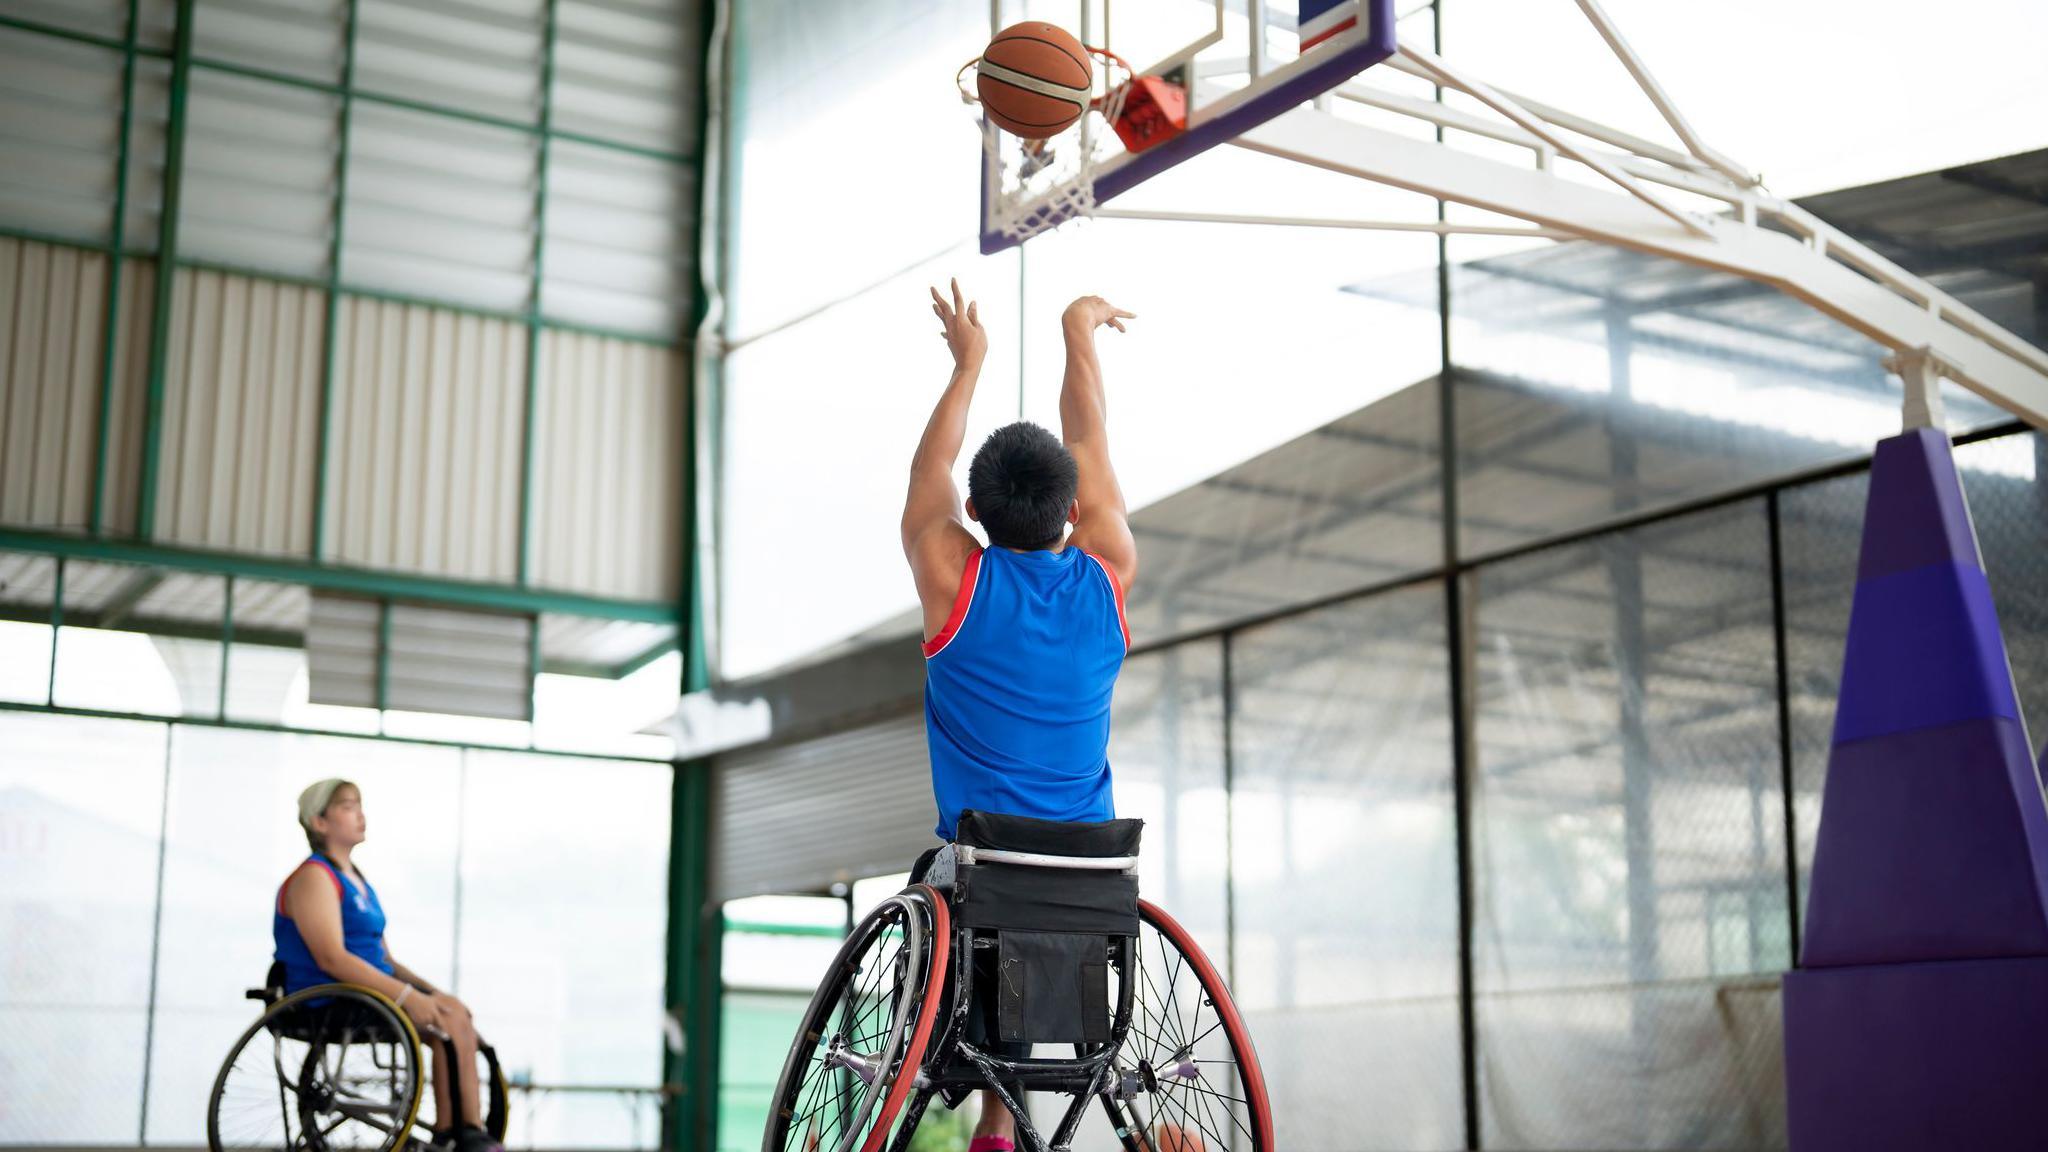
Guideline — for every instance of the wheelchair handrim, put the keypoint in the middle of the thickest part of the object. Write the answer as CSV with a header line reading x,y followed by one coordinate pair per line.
x,y
928,1012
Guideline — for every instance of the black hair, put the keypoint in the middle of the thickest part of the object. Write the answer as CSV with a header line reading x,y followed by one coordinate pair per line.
x,y
1022,482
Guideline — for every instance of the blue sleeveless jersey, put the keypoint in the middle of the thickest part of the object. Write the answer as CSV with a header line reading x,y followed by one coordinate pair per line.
x,y
362,929
1017,687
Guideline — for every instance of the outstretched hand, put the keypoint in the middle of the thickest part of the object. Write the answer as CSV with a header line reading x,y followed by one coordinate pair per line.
x,y
1091,312
962,328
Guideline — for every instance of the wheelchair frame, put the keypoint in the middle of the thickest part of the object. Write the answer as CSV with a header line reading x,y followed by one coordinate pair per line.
x,y
275,1001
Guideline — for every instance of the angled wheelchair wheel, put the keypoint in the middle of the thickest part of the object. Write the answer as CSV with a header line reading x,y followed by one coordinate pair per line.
x,y
1188,1078
330,1067
856,1055
497,1097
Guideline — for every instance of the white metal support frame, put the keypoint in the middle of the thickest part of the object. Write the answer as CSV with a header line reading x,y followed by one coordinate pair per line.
x,y
1929,333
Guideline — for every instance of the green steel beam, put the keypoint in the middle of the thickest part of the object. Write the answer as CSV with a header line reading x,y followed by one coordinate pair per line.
x,y
320,283
257,726
36,236
76,37
532,682
383,660
131,593
757,928
335,578
111,317
527,437
154,626
329,346
227,646
166,271
694,979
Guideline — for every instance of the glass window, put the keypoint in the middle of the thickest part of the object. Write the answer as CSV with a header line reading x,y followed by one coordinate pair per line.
x,y
1594,382
1344,863
81,810
233,837
564,918
1630,897
28,584
1166,759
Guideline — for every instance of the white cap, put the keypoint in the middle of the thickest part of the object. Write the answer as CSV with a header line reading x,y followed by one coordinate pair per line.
x,y
314,800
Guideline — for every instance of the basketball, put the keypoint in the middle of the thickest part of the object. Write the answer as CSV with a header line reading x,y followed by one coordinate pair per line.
x,y
1034,80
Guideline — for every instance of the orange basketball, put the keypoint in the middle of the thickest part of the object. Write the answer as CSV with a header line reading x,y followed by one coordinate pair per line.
x,y
1034,80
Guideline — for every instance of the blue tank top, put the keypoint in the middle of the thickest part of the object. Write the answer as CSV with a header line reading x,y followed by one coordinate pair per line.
x,y
1017,687
362,929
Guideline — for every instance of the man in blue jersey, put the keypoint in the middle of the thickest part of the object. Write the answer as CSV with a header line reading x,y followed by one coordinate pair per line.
x,y
1023,638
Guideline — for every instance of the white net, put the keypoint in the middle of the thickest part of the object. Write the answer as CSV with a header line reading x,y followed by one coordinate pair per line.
x,y
1041,184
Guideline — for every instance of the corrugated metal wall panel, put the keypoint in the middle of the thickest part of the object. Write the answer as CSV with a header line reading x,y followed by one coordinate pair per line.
x,y
440,208
259,174
799,817
299,37
60,104
123,490
626,70
608,467
240,414
466,663
424,451
480,55
341,651
148,126
52,316
618,229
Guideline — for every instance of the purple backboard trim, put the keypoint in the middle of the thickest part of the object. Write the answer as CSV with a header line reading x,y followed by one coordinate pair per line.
x,y
1376,45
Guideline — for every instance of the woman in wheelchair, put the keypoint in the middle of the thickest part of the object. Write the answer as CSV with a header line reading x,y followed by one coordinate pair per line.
x,y
329,928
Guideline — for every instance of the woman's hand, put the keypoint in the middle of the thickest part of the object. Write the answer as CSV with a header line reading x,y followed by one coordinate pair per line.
x,y
426,1010
962,329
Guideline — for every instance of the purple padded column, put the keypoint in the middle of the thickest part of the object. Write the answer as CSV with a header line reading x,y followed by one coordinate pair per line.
x,y
1918,1019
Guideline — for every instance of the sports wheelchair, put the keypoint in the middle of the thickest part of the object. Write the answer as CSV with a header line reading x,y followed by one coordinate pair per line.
x,y
330,1067
1023,933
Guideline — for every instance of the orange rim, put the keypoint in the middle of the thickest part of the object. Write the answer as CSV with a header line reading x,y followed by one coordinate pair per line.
x,y
1226,1011
913,1054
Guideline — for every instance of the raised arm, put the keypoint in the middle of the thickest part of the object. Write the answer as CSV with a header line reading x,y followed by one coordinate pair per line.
x,y
935,536
1104,527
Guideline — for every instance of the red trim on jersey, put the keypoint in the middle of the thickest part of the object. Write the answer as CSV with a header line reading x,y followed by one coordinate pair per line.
x,y
1117,586
322,865
961,602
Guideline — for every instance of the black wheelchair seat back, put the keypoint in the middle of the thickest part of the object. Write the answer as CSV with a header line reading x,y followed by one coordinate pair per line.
x,y
1047,898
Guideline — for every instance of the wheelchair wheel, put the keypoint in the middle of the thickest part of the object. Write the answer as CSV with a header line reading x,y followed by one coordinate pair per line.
x,y
491,1078
1189,1079
331,1067
857,1052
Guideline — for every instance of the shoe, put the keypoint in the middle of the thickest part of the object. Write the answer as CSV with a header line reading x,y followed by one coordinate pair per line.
x,y
474,1139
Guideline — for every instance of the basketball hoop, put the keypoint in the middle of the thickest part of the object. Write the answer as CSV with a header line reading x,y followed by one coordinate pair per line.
x,y
1044,182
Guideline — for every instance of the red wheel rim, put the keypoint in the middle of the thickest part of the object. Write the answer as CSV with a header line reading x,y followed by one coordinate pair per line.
x,y
1226,1011
928,1012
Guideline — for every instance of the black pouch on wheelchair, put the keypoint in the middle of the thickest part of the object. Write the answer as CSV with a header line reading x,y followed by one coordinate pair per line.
x,y
1052,987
